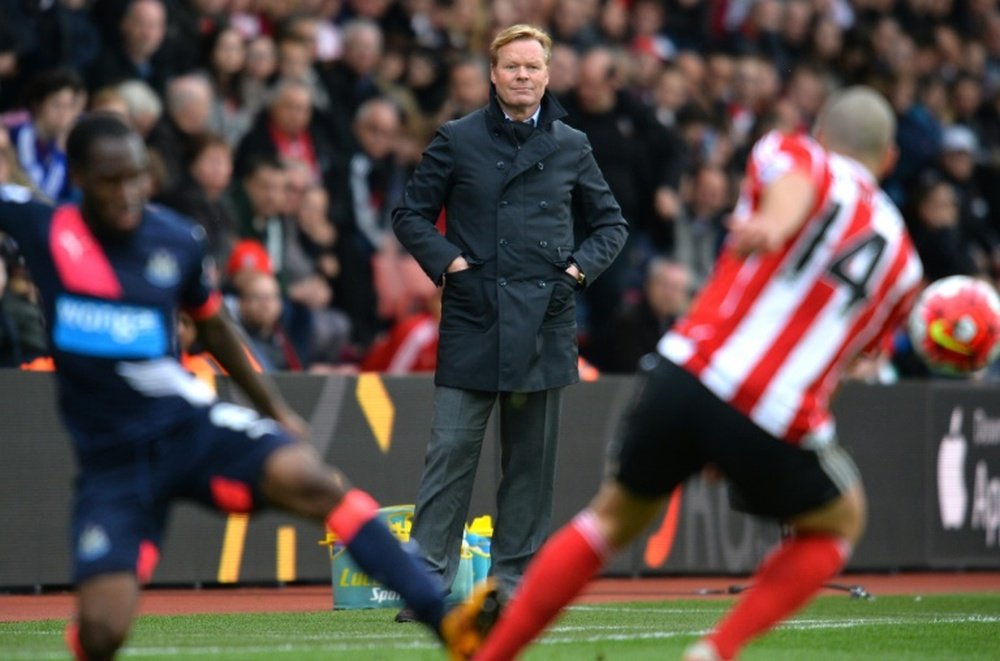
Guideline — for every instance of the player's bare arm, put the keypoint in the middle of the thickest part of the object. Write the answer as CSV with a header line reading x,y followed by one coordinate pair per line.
x,y
785,206
220,339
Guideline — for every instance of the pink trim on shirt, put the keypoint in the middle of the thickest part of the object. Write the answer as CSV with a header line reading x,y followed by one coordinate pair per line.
x,y
80,261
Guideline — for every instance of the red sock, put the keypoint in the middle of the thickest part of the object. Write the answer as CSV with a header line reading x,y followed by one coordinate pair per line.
x,y
355,509
785,581
557,574
72,638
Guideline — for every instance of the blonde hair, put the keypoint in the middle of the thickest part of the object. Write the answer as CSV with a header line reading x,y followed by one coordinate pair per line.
x,y
859,122
517,32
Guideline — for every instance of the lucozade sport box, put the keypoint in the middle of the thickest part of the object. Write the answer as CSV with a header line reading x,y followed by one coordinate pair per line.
x,y
353,589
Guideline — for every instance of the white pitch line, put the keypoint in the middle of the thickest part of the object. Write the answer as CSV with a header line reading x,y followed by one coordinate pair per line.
x,y
555,637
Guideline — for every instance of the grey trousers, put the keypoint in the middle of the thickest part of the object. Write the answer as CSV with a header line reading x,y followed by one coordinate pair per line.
x,y
529,429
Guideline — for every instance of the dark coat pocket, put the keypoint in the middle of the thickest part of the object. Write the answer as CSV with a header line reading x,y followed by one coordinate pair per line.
x,y
464,304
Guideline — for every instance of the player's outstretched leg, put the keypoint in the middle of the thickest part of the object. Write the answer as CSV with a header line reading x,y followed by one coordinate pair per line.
x,y
792,575
564,566
106,604
296,479
380,555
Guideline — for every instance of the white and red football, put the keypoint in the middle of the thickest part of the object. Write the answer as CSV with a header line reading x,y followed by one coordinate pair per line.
x,y
955,325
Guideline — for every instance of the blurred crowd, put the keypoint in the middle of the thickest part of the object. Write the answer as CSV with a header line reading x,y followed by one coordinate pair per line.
x,y
287,130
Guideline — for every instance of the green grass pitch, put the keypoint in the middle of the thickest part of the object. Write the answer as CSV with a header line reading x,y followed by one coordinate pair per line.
x,y
833,627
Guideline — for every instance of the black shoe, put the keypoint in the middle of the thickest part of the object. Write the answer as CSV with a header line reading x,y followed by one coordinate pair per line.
x,y
406,615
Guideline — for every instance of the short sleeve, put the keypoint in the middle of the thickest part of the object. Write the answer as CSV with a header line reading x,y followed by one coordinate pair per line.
x,y
777,154
200,296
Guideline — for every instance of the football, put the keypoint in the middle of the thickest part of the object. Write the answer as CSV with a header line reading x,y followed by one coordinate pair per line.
x,y
955,325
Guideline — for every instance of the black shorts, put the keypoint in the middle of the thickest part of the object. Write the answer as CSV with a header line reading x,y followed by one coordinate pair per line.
x,y
676,426
123,495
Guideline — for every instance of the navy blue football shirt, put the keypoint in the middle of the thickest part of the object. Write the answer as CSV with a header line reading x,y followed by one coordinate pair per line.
x,y
111,309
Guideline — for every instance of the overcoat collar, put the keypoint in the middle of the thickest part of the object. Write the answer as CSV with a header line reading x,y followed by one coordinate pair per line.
x,y
540,144
551,109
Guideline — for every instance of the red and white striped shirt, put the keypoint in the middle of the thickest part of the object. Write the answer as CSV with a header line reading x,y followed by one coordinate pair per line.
x,y
772,332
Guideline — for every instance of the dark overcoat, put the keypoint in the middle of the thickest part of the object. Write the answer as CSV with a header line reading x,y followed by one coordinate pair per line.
x,y
508,323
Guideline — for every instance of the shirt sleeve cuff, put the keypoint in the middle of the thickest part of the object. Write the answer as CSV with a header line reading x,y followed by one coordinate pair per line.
x,y
206,309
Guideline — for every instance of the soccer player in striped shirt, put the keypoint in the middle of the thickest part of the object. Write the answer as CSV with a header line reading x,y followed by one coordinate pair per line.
x,y
817,269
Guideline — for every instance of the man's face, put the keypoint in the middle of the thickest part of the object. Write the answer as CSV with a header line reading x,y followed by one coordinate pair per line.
x,y
115,182
959,164
292,111
213,169
520,75
260,302
377,132
596,87
57,113
144,28
469,88
266,189
667,290
363,52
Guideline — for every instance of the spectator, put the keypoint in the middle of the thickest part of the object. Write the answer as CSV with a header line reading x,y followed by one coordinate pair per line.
x,y
573,23
296,57
225,61
199,192
189,103
261,70
670,95
637,327
371,187
827,43
257,204
10,79
260,310
51,35
918,136
468,88
649,55
957,165
564,70
110,100
352,79
191,25
700,227
933,218
54,99
144,106
261,205
289,129
318,332
138,53
317,232
11,171
807,89
642,162
22,326
329,332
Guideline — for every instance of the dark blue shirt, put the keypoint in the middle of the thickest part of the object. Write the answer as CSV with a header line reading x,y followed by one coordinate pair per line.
x,y
111,307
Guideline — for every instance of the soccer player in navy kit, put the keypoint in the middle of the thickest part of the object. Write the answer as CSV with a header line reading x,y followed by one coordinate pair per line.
x,y
113,273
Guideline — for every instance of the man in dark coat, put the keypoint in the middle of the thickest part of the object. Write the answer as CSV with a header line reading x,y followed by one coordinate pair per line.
x,y
511,177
